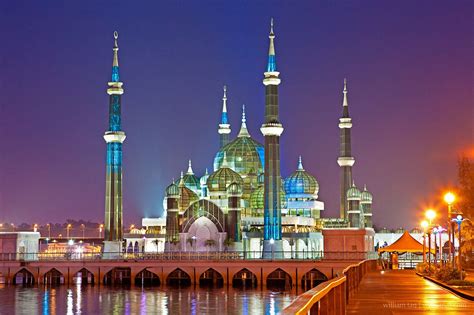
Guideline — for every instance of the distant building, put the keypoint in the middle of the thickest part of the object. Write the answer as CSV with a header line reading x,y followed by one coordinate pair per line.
x,y
20,245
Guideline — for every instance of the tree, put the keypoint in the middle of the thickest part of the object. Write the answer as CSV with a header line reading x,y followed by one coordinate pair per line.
x,y
466,187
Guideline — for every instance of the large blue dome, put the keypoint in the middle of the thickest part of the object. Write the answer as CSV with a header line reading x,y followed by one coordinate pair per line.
x,y
301,182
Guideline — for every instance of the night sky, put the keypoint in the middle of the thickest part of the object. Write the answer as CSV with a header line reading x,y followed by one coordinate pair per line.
x,y
408,64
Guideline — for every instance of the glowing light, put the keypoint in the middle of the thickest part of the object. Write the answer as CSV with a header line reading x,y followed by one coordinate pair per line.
x,y
70,242
424,224
272,241
430,214
449,197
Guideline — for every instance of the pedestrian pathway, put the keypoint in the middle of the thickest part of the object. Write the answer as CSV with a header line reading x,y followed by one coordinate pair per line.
x,y
403,292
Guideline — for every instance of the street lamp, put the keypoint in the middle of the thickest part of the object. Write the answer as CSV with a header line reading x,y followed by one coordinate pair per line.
x,y
435,232
449,198
430,215
132,226
83,228
68,227
440,232
459,220
100,230
424,226
35,227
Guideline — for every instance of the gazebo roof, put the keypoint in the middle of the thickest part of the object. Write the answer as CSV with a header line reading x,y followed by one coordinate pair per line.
x,y
405,244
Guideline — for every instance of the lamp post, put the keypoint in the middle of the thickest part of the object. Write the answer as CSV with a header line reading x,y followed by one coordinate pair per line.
x,y
440,233
68,227
35,227
435,232
430,215
459,220
100,230
424,225
449,199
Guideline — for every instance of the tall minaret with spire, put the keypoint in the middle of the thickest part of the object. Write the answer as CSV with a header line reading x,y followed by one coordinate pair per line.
x,y
114,137
345,160
271,130
224,126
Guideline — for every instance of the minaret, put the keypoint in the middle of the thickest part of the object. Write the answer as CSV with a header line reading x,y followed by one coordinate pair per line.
x,y
272,129
224,126
114,137
345,159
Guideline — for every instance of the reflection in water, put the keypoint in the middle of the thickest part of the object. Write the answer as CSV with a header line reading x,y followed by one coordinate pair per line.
x,y
107,300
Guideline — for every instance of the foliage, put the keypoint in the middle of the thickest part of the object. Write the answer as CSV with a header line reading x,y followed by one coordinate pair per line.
x,y
466,187
424,268
447,273
461,283
228,242
210,243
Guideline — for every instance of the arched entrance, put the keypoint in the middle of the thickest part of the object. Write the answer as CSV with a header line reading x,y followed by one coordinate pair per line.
x,y
118,276
244,279
53,277
312,278
279,280
178,278
83,276
147,278
211,278
203,221
24,277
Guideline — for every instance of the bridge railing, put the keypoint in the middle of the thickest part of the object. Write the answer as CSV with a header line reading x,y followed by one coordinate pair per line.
x,y
189,255
331,297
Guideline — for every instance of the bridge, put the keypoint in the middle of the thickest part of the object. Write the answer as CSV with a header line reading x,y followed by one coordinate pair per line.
x,y
365,288
217,269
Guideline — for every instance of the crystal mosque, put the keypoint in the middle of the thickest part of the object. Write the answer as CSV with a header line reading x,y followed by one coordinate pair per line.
x,y
243,203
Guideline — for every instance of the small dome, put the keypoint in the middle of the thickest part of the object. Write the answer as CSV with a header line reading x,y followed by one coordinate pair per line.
x,y
257,200
186,196
301,182
172,190
353,193
244,154
365,196
223,177
190,180
234,189
203,179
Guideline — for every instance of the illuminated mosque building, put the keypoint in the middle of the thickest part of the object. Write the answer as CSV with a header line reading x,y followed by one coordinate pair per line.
x,y
244,204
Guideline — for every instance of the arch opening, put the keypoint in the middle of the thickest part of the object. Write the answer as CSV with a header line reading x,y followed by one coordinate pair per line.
x,y
83,276
178,278
24,277
279,280
244,279
146,278
312,278
118,276
53,277
211,279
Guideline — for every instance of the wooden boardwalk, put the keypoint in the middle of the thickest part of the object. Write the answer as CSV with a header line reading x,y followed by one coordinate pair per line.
x,y
403,292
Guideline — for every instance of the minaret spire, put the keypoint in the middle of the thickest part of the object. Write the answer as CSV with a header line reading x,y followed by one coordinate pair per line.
x,y
224,126
114,137
345,160
300,164
190,168
271,67
243,128
272,130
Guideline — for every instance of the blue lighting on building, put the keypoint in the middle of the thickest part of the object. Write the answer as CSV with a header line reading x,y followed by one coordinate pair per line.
x,y
272,66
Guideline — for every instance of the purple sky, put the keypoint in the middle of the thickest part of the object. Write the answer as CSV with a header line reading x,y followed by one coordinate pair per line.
x,y
409,67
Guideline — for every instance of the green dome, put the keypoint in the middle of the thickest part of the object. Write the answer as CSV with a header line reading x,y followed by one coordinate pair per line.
x,y
190,180
366,196
172,190
257,200
234,189
244,154
301,182
223,177
353,193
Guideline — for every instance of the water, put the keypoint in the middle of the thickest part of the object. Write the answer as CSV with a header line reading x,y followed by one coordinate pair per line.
x,y
89,299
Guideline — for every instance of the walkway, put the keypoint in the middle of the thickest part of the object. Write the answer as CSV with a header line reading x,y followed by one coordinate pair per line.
x,y
403,292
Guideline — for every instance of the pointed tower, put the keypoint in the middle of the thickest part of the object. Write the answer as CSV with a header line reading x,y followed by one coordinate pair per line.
x,y
345,160
224,126
243,127
114,137
271,130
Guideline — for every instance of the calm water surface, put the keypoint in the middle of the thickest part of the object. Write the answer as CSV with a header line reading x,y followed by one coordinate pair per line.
x,y
135,300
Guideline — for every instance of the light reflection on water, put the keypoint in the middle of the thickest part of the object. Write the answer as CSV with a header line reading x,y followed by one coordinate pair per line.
x,y
135,300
